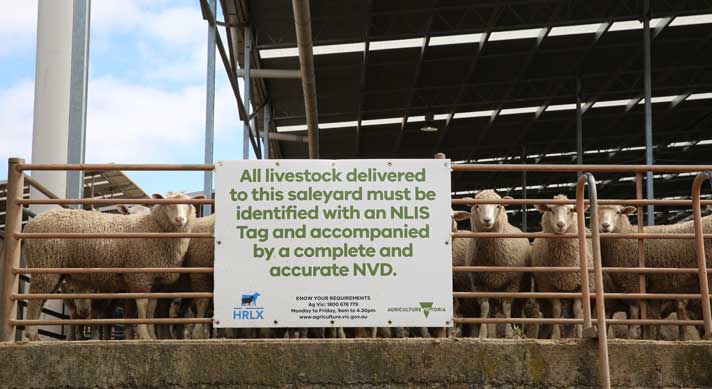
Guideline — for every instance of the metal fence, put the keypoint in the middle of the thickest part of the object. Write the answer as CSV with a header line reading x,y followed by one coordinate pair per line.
x,y
15,203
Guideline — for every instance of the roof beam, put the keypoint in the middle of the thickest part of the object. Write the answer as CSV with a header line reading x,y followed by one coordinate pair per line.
x,y
468,75
362,82
604,88
271,73
632,103
233,80
664,22
679,99
602,29
513,86
228,35
406,111
236,16
362,89
416,77
302,24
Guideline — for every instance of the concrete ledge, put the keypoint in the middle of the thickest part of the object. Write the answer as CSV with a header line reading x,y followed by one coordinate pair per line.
x,y
372,362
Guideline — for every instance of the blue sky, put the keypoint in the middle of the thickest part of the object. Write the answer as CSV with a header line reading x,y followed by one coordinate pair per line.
x,y
146,94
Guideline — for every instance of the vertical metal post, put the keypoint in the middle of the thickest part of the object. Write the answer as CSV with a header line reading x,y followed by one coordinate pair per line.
x,y
641,248
579,126
700,251
523,159
583,262
648,110
210,109
302,25
603,367
13,224
79,69
246,96
265,133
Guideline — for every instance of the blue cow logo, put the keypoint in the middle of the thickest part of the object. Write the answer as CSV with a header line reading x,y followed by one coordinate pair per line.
x,y
250,299
248,309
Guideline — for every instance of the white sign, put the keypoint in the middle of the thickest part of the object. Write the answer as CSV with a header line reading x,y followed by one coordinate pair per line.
x,y
321,243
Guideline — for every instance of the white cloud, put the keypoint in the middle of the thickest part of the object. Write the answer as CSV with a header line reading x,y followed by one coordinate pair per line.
x,y
18,25
173,25
129,122
16,122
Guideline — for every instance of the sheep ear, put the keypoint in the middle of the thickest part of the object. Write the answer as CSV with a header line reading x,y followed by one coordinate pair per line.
x,y
200,197
157,196
124,210
460,215
628,210
541,207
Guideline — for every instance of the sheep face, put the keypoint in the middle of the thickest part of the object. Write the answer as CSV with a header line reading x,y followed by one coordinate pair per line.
x,y
557,218
82,306
486,217
457,216
609,216
177,214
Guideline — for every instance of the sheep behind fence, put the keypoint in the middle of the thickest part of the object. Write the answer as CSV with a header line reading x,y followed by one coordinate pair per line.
x,y
698,233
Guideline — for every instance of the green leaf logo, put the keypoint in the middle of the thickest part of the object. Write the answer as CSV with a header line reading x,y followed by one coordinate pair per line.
x,y
426,308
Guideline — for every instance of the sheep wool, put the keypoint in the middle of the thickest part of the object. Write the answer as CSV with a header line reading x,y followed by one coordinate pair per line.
x,y
658,253
201,253
167,252
496,252
560,219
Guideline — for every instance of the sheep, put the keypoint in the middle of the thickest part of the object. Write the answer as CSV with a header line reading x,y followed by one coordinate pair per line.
x,y
133,209
77,308
201,253
496,252
461,282
658,253
560,219
167,252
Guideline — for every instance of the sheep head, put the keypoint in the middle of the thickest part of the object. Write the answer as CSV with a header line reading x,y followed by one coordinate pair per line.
x,y
610,217
82,306
488,217
133,209
558,219
175,216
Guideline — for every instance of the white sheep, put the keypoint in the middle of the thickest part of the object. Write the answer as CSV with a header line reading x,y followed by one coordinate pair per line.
x,y
496,252
165,252
461,282
560,219
201,253
135,209
658,253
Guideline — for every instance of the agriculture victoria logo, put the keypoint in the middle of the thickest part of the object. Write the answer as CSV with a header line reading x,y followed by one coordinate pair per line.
x,y
424,307
248,309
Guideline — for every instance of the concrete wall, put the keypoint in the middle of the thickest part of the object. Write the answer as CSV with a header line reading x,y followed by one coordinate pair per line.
x,y
397,362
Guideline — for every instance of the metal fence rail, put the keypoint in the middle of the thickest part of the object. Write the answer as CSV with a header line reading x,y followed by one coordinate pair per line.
x,y
12,269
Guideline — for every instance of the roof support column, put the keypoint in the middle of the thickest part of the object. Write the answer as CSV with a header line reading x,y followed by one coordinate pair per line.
x,y
265,133
648,110
523,160
210,108
579,126
79,70
246,96
302,24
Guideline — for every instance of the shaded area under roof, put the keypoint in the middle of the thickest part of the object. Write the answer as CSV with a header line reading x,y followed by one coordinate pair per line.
x,y
496,75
